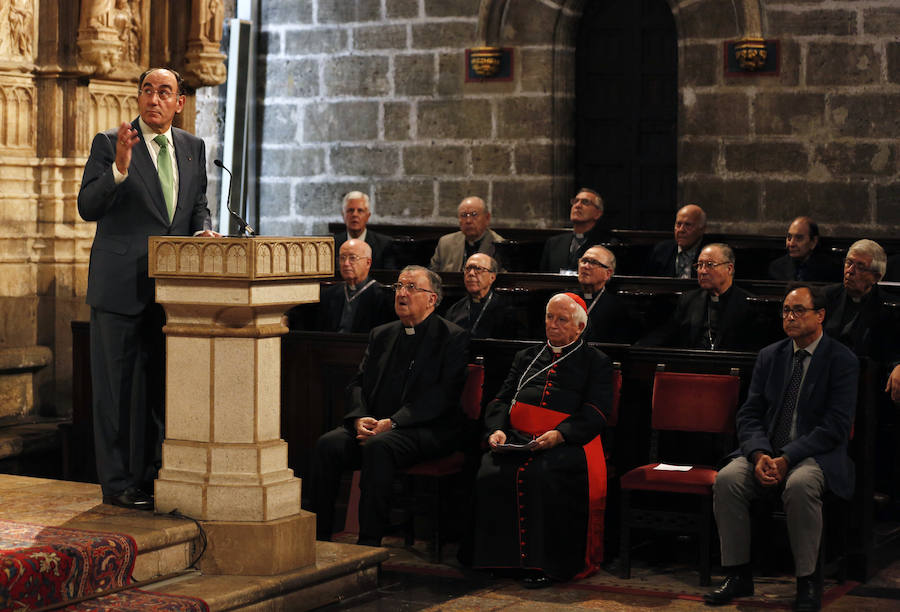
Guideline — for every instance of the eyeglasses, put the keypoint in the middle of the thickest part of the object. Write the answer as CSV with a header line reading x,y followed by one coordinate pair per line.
x,y
410,287
593,263
476,269
164,94
796,311
351,258
585,201
709,265
859,266
469,215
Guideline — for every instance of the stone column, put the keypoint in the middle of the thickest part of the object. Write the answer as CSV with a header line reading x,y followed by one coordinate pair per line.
x,y
224,463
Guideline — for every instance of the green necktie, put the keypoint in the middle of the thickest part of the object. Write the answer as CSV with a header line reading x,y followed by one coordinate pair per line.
x,y
164,167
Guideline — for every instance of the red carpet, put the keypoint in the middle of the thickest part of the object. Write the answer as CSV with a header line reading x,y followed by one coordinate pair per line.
x,y
41,566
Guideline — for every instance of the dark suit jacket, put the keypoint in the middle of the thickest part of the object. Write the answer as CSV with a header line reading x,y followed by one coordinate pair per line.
x,y
686,329
499,320
431,395
129,213
661,261
825,409
376,307
818,268
382,250
608,320
555,256
874,334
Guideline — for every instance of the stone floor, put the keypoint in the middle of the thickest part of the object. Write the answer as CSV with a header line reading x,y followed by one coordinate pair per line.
x,y
409,582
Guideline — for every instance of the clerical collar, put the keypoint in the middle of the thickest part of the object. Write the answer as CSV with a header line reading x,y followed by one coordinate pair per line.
x,y
594,298
559,349
417,329
362,235
722,296
578,236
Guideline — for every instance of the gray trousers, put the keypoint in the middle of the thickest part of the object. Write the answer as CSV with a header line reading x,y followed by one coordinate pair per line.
x,y
734,489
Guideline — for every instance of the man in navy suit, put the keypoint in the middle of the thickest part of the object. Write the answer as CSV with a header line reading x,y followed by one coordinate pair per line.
x,y
143,179
793,431
403,407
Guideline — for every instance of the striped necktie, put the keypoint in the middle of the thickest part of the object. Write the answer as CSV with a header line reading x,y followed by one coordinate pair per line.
x,y
164,167
782,434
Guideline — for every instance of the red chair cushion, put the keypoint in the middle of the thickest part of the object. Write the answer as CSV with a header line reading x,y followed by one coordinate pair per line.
x,y
697,481
694,402
443,466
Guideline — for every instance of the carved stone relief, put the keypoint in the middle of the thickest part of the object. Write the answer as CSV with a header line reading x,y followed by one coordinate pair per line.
x,y
204,63
17,29
17,113
111,104
112,37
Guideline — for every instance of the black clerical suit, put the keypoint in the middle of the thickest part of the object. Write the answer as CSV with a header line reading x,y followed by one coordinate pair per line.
x,y
490,317
416,381
689,326
816,268
608,319
342,309
382,250
127,345
661,261
867,327
557,254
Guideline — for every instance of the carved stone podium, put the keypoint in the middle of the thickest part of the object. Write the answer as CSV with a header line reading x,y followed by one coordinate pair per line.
x,y
224,463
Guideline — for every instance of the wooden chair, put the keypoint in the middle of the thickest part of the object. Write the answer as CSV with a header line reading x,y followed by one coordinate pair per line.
x,y
686,403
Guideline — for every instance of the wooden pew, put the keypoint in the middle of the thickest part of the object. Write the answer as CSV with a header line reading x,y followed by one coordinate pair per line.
x,y
753,252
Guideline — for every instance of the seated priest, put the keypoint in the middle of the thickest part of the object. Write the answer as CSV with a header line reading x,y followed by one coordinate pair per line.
x,y
717,316
539,505
402,407
483,312
608,319
359,302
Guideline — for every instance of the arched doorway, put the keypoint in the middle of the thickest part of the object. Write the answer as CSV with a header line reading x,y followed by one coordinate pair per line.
x,y
626,108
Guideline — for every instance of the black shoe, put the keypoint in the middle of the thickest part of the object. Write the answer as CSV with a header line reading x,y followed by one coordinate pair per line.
x,y
536,581
734,585
808,597
131,497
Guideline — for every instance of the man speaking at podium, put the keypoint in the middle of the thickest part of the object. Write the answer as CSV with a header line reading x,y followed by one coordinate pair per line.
x,y
142,179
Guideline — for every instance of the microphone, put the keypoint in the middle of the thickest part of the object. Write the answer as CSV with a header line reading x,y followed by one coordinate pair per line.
x,y
244,226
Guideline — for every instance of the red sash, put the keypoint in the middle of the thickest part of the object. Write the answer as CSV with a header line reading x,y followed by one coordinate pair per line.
x,y
537,421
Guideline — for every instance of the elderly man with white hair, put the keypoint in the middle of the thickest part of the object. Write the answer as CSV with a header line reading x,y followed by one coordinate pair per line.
x,y
540,493
857,314
356,213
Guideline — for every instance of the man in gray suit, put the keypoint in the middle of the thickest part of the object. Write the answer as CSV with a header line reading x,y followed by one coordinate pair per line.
x,y
793,431
474,236
142,179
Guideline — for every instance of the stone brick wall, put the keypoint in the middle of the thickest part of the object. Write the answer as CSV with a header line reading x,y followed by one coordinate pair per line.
x,y
819,138
370,95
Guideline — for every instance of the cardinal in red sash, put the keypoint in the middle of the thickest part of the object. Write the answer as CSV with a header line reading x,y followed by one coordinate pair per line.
x,y
541,488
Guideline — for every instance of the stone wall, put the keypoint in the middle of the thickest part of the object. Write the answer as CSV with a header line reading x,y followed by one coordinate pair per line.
x,y
370,95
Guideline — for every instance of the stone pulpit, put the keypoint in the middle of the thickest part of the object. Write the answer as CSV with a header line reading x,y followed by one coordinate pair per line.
x,y
224,462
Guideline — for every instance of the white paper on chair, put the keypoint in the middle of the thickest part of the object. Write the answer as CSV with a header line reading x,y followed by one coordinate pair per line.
x,y
668,467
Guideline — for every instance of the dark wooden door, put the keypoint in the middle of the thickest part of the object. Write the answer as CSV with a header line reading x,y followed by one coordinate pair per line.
x,y
626,105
